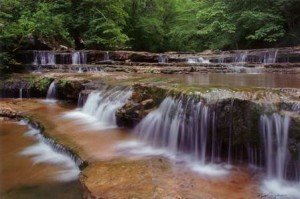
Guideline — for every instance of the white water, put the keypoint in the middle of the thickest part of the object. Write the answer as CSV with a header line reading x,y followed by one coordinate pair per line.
x,y
79,58
44,58
270,57
162,59
82,69
99,110
181,127
263,57
248,70
241,57
143,149
44,153
51,93
275,132
177,126
20,93
106,57
197,60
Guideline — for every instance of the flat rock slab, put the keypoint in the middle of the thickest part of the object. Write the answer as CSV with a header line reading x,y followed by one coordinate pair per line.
x,y
158,178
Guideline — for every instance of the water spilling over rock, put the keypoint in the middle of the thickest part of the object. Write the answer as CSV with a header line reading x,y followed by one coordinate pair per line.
x,y
197,60
213,133
182,125
100,107
275,130
280,166
106,57
51,93
162,59
44,58
104,104
267,56
79,58
47,151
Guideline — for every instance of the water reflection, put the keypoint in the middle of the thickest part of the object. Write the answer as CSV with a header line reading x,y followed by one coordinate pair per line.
x,y
239,80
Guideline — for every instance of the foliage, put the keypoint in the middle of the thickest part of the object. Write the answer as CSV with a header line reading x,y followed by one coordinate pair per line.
x,y
151,25
103,22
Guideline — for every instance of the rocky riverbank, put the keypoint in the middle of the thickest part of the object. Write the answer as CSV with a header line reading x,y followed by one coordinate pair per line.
x,y
238,109
112,178
282,60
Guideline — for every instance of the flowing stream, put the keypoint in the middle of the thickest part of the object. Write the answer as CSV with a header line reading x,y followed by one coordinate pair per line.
x,y
100,107
280,169
185,127
31,168
44,58
79,58
51,93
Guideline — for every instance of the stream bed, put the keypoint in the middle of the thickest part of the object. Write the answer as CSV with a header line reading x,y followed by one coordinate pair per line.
x,y
31,168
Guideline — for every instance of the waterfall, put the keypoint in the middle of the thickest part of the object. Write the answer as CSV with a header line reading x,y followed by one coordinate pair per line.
x,y
106,57
51,93
21,93
221,58
197,60
162,59
104,104
44,58
270,57
275,131
282,172
100,107
263,57
48,151
241,57
180,125
79,58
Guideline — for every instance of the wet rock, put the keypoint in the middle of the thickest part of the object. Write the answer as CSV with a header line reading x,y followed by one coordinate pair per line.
x,y
143,100
147,103
168,71
68,89
32,87
7,112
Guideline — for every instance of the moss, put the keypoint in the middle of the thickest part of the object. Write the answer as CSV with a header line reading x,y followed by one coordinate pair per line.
x,y
39,83
43,83
64,82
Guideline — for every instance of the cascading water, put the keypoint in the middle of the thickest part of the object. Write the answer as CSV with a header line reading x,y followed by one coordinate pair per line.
x,y
47,151
275,128
79,58
281,170
197,60
104,104
162,59
241,57
21,93
270,57
106,57
51,93
44,58
101,106
180,126
182,129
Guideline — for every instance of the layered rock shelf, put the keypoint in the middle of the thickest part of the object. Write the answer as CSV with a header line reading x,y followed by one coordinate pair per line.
x,y
282,60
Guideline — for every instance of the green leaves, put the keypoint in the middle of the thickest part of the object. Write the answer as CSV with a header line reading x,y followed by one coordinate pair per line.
x,y
151,25
262,26
41,21
103,23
